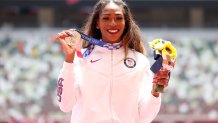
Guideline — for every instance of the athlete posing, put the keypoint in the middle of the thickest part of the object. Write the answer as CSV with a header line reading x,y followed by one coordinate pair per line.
x,y
111,83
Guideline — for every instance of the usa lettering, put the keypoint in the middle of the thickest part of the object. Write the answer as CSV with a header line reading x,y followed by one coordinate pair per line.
x,y
60,88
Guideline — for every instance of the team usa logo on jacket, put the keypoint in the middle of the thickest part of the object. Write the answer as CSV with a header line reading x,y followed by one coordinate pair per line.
x,y
130,62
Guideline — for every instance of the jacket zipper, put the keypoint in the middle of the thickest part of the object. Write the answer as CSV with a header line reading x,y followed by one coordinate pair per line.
x,y
111,86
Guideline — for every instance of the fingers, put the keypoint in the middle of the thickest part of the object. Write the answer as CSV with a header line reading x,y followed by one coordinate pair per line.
x,y
63,43
62,37
162,74
163,82
161,78
66,45
64,34
66,37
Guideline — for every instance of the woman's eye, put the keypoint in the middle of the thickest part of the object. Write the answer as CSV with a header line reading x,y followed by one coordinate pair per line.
x,y
105,18
119,18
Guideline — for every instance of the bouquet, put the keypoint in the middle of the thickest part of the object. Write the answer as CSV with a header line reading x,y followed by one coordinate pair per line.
x,y
165,56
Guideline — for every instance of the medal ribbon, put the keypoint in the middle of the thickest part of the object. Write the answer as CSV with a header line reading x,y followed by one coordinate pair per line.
x,y
94,42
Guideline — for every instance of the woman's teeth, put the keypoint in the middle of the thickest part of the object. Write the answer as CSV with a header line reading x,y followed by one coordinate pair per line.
x,y
113,31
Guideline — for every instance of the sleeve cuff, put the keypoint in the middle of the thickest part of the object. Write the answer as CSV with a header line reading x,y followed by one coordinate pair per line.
x,y
155,100
68,67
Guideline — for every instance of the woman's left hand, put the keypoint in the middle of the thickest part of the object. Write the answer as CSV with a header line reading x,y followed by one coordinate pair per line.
x,y
160,80
162,77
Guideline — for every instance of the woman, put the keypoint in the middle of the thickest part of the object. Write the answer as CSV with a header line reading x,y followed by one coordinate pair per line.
x,y
110,84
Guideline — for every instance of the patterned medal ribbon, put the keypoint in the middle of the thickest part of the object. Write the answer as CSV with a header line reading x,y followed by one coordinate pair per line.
x,y
94,42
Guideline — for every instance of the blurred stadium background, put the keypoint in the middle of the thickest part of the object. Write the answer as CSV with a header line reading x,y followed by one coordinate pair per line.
x,y
30,61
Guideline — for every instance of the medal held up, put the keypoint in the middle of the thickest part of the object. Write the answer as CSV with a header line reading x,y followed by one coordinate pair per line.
x,y
165,56
73,39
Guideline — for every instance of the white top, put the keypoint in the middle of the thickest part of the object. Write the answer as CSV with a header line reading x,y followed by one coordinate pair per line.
x,y
105,88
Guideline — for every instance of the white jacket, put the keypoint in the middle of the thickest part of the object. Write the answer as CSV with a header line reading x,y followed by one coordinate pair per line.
x,y
105,88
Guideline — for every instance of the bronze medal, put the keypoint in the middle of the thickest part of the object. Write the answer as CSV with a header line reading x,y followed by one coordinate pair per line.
x,y
73,39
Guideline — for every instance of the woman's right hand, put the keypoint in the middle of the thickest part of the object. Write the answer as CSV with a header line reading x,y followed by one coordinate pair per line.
x,y
69,50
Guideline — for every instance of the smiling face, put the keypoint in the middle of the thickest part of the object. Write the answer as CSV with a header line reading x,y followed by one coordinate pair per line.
x,y
111,23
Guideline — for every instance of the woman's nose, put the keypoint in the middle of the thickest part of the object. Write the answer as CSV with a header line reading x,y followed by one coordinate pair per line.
x,y
113,22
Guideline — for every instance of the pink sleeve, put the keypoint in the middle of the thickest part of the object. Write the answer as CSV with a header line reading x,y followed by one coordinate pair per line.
x,y
149,105
149,108
65,87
